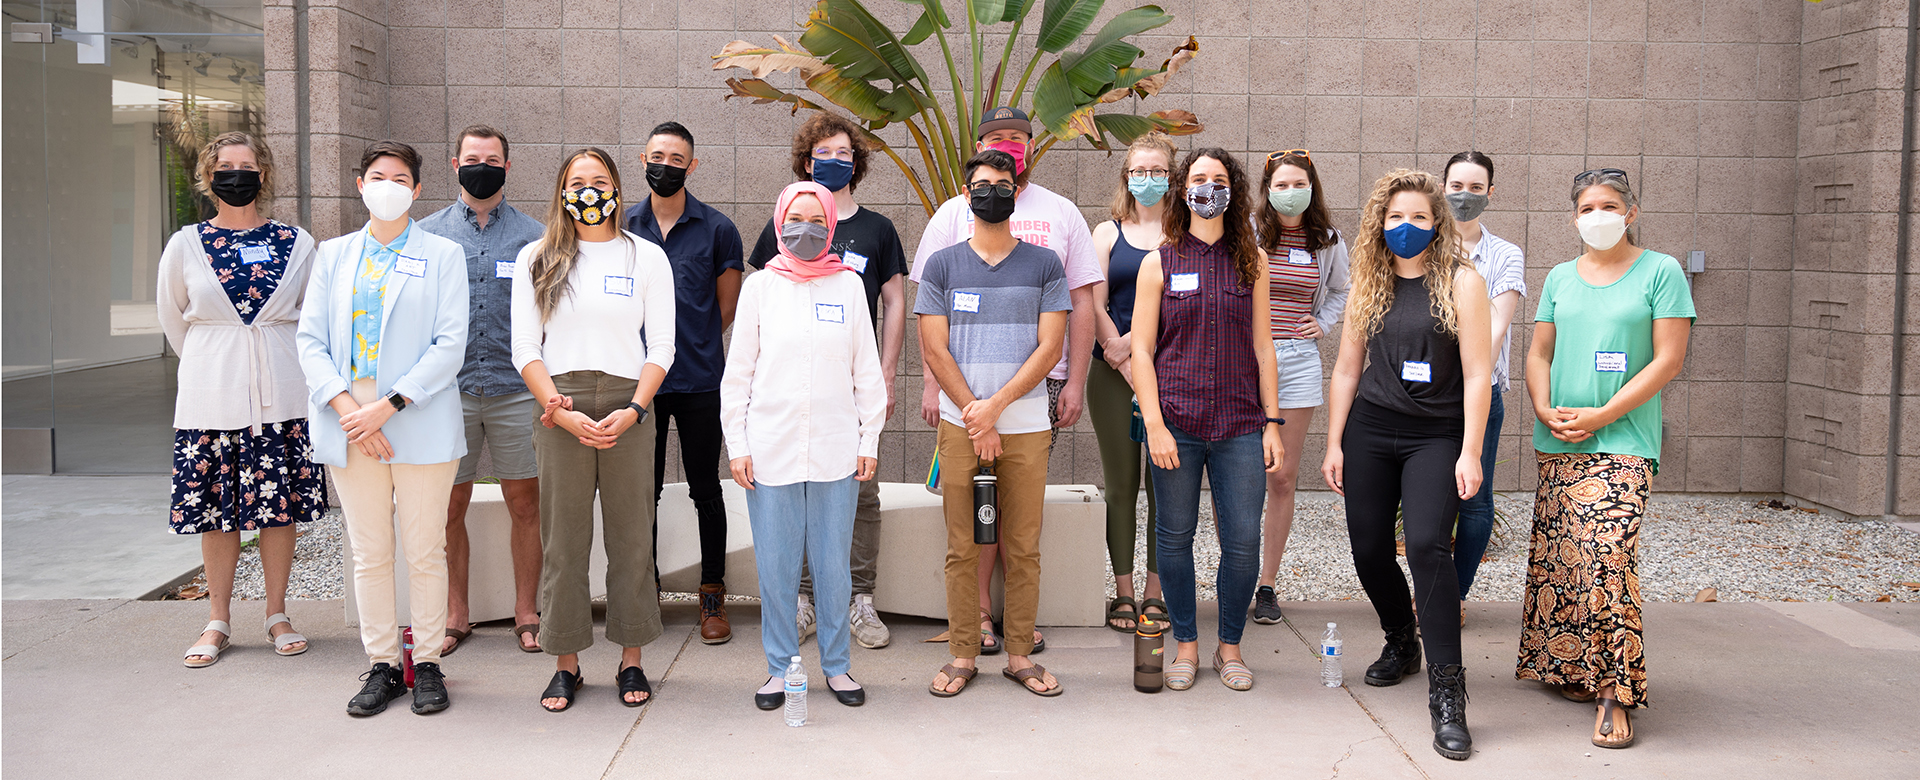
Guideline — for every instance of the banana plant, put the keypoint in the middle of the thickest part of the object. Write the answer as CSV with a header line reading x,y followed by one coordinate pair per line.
x,y
848,58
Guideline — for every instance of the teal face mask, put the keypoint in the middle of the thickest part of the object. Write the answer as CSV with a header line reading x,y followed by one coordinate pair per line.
x,y
1148,190
1290,203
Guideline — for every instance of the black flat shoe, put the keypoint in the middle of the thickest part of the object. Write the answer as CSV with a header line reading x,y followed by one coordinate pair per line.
x,y
769,701
852,698
563,686
1399,658
384,684
633,680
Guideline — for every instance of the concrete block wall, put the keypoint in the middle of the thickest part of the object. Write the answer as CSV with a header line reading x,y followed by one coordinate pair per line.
x,y
1760,131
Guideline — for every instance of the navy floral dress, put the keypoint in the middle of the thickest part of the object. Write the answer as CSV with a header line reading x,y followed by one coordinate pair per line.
x,y
235,480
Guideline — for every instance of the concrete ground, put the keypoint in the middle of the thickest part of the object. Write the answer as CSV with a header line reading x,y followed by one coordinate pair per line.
x,y
94,687
90,537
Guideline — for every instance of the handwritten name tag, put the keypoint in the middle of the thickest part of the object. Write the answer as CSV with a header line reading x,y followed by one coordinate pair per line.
x,y
1416,371
1610,362
1185,282
411,266
855,261
1299,257
503,269
254,255
967,302
618,285
829,312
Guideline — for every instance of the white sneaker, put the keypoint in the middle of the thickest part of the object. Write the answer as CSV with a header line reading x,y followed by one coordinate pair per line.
x,y
804,620
867,628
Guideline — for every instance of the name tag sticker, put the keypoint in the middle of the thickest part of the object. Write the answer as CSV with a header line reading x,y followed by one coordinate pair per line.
x,y
411,266
1299,257
967,302
1416,371
503,269
855,261
1185,282
1610,362
254,255
617,285
829,312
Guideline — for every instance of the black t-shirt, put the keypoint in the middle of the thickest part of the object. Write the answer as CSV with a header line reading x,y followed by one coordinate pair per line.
x,y
865,242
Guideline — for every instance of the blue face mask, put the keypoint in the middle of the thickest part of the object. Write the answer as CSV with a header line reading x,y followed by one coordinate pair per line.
x,y
833,174
1148,190
1408,240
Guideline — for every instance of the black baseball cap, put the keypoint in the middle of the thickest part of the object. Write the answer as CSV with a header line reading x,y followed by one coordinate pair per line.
x,y
1004,118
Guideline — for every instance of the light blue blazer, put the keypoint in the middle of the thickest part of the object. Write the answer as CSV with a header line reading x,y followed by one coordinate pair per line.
x,y
423,342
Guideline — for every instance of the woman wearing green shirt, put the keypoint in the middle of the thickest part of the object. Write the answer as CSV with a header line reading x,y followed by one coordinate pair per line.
x,y
1595,386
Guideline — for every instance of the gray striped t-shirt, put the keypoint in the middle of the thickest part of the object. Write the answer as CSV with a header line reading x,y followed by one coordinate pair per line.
x,y
993,322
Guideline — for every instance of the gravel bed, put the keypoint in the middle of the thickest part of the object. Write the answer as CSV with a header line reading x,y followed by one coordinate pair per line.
x,y
1747,552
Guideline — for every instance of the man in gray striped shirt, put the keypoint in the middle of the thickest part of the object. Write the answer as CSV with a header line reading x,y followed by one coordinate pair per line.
x,y
993,314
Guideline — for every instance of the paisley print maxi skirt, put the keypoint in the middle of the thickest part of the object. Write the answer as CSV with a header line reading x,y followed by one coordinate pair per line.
x,y
1581,614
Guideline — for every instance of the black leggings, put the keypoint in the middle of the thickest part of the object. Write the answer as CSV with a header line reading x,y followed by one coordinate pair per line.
x,y
1395,460
698,416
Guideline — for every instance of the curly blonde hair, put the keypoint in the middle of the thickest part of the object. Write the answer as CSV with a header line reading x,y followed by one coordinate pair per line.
x,y
1371,265
210,156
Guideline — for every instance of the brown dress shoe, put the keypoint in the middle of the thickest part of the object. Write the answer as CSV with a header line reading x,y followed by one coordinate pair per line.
x,y
714,629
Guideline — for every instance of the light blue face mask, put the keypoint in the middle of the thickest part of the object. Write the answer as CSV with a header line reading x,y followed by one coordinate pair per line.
x,y
1148,189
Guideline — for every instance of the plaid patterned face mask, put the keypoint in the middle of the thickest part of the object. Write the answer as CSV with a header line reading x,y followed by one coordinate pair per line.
x,y
590,206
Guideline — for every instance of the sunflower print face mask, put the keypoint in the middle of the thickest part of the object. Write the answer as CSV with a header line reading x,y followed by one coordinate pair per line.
x,y
590,206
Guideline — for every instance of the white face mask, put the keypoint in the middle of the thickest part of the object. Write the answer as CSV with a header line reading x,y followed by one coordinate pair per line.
x,y
1601,229
386,200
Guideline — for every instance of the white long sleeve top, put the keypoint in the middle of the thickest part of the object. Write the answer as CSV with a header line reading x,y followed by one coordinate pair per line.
x,y
232,375
802,393
616,316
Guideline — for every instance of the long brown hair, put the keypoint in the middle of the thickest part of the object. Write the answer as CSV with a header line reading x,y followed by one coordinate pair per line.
x,y
1238,223
560,245
1316,221
1121,209
1371,269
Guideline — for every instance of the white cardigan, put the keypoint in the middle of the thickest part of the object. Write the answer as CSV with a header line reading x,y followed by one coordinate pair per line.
x,y
232,375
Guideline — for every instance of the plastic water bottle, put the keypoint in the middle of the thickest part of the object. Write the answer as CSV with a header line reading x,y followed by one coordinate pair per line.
x,y
1330,645
796,693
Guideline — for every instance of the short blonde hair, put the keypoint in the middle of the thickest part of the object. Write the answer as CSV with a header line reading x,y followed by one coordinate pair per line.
x,y
210,155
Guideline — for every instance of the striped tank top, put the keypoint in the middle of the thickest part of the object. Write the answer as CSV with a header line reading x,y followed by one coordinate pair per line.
x,y
1294,275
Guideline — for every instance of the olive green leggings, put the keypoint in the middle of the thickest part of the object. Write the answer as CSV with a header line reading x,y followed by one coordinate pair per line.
x,y
1110,404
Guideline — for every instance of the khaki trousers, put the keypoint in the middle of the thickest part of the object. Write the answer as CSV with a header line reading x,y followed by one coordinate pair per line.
x,y
1022,491
379,499
570,474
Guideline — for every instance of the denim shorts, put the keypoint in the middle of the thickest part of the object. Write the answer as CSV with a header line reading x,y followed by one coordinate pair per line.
x,y
1302,382
505,424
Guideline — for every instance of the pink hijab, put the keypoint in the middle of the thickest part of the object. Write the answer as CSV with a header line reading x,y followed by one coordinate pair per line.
x,y
795,267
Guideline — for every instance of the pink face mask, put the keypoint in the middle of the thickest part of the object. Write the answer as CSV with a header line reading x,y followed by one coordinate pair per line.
x,y
1017,150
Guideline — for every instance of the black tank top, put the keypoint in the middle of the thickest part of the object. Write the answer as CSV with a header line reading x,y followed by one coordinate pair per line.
x,y
1413,365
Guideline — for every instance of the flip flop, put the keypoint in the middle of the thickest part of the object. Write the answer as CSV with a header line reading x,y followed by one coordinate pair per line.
x,y
212,652
281,642
563,686
1115,613
459,640
986,634
1034,672
522,630
952,672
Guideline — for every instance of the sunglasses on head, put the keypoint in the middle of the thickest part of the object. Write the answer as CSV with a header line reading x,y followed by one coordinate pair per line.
x,y
1602,173
1290,153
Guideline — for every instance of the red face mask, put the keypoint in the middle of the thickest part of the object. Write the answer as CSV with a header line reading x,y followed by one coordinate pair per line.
x,y
1017,150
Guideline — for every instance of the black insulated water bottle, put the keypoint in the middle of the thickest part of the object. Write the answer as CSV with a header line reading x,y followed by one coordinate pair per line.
x,y
986,507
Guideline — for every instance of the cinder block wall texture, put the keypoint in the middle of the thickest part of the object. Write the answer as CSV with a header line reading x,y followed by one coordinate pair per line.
x,y
1763,132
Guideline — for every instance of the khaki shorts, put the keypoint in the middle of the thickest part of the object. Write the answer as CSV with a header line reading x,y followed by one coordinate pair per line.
x,y
505,424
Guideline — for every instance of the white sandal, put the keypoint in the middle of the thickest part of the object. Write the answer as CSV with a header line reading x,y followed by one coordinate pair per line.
x,y
210,652
281,642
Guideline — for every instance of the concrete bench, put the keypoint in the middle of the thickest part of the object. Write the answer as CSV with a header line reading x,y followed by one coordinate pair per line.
x,y
911,579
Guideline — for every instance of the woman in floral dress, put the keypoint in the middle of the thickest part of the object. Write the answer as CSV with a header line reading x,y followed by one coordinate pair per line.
x,y
229,300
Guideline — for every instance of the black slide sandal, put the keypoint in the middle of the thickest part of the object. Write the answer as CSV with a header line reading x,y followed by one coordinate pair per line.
x,y
563,686
633,679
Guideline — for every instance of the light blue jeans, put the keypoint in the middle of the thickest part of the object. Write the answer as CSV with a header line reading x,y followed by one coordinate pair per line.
x,y
1236,468
1476,514
813,522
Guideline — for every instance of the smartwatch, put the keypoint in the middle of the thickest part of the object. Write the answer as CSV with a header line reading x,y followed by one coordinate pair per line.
x,y
399,401
639,410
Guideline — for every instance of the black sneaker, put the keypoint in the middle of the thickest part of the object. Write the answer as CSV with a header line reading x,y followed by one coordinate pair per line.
x,y
429,688
1266,606
384,684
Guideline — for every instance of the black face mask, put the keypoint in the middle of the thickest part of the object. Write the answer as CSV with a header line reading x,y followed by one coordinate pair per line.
x,y
665,179
990,205
236,187
482,180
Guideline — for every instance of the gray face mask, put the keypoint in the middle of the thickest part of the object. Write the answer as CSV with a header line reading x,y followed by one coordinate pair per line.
x,y
1466,206
805,239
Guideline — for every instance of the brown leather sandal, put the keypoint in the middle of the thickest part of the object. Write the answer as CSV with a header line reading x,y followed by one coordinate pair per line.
x,y
1034,673
964,675
523,630
1612,727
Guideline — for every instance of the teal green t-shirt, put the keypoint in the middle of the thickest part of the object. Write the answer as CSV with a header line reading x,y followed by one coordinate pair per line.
x,y
1602,337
